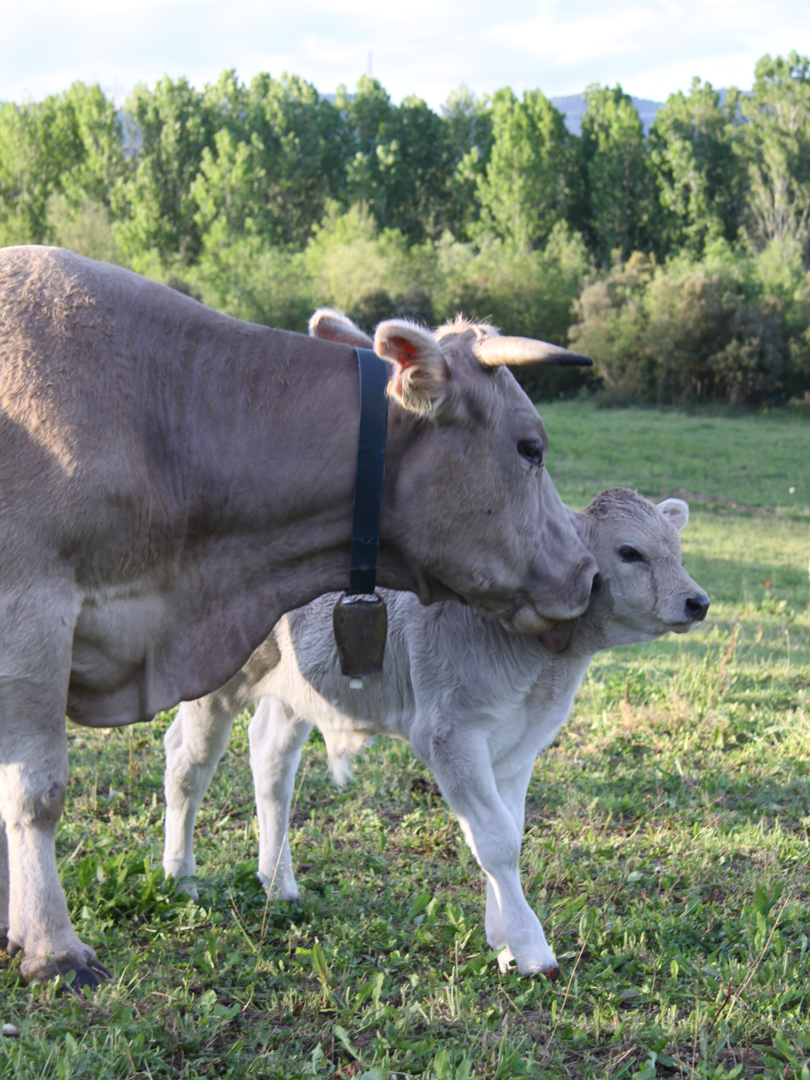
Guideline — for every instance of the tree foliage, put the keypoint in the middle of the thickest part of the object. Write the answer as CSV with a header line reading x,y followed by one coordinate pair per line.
x,y
679,260
694,150
777,148
69,144
524,190
618,202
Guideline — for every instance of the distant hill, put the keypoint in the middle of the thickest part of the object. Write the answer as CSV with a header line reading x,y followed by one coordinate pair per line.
x,y
572,106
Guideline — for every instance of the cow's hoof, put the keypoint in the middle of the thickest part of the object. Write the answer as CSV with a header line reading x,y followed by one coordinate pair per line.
x,y
285,890
93,975
190,890
4,938
88,972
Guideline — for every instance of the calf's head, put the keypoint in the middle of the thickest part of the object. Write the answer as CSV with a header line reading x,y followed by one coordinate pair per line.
x,y
643,589
467,498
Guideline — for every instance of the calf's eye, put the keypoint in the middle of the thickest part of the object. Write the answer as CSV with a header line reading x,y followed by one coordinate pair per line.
x,y
629,554
531,451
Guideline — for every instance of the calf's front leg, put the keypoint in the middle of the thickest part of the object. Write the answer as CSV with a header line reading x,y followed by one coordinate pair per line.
x,y
276,736
513,793
463,770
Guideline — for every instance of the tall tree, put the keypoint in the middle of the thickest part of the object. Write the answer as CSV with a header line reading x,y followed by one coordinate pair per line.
x,y
694,141
68,144
616,173
777,150
468,126
26,180
274,162
524,191
155,205
401,164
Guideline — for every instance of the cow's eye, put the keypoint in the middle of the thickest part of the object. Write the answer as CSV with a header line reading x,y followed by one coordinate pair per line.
x,y
629,554
531,451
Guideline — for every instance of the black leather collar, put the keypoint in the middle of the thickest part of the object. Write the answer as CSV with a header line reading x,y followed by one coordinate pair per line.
x,y
368,480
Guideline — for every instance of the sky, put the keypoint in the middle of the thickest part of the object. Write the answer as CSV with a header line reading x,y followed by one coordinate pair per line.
x,y
422,47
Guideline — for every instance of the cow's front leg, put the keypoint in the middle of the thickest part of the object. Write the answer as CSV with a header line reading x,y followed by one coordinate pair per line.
x,y
3,886
33,783
276,737
464,774
194,745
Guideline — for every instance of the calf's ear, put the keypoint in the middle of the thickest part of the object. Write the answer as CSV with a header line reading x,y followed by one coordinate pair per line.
x,y
420,382
676,511
329,325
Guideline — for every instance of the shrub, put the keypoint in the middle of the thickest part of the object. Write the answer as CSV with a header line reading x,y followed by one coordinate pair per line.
x,y
349,261
529,293
85,229
611,327
255,281
726,328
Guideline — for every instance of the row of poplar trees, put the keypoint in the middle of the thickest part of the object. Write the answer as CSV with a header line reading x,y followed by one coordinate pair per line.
x,y
260,198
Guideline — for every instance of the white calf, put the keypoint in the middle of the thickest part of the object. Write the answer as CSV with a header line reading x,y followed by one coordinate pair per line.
x,y
476,703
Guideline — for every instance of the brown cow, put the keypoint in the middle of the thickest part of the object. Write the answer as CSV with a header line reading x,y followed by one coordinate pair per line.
x,y
173,480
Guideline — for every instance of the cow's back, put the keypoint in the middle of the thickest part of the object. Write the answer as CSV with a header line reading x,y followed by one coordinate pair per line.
x,y
80,346
113,391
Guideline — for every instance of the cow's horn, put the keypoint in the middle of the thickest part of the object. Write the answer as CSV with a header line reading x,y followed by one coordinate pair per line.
x,y
496,351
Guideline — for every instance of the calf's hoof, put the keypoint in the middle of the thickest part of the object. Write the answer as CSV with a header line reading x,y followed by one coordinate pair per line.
x,y
180,875
505,961
190,890
4,938
551,974
285,890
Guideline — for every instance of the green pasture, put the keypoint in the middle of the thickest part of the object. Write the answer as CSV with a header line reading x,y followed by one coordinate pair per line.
x,y
666,849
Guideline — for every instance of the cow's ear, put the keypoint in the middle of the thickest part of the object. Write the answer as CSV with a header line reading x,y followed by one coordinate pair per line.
x,y
420,382
676,511
330,325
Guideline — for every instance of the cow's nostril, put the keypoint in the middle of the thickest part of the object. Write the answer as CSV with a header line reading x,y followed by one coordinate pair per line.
x,y
696,607
596,584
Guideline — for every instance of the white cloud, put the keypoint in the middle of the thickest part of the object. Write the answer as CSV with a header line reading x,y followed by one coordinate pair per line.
x,y
423,47
571,42
656,44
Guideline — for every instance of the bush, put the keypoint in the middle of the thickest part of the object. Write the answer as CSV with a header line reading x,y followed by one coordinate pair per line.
x,y
611,327
350,262
727,328
528,293
255,281
85,229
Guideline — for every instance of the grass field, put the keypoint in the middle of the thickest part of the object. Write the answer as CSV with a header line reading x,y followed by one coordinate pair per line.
x,y
666,849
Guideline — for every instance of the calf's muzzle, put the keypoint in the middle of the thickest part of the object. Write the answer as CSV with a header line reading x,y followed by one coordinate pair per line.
x,y
696,607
